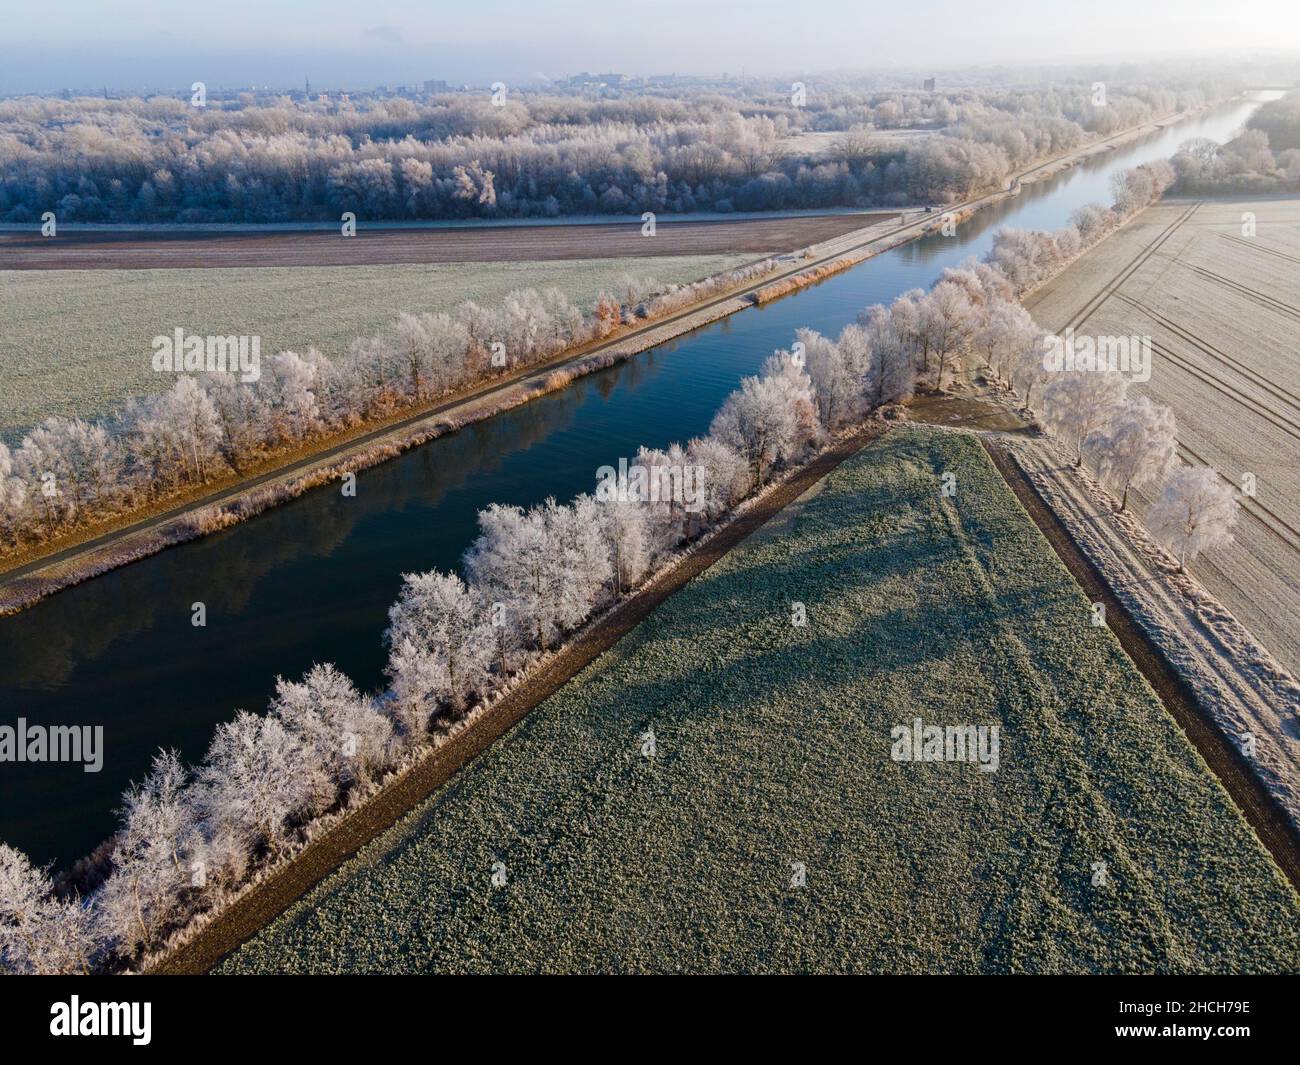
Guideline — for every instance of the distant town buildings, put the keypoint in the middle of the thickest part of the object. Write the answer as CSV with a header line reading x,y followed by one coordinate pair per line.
x,y
586,82
929,84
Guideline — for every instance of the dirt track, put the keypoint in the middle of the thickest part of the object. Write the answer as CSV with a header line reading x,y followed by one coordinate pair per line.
x,y
326,853
169,250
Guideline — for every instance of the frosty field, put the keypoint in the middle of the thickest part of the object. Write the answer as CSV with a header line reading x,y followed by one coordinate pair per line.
x,y
772,831
75,342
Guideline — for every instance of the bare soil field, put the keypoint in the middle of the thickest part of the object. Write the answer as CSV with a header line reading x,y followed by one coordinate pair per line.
x,y
182,249
1221,305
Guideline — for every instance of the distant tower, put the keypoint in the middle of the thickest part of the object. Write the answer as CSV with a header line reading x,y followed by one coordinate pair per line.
x,y
307,86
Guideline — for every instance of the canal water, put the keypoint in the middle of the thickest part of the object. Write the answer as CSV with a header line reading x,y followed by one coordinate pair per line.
x,y
311,581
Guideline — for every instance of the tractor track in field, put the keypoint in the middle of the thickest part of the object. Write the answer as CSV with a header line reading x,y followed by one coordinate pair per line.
x,y
1229,391
1255,246
1255,378
1269,303
1128,270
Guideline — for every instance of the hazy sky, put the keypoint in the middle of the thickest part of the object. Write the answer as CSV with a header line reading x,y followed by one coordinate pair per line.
x,y
166,43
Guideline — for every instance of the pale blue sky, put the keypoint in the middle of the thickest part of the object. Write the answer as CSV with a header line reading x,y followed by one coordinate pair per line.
x,y
165,43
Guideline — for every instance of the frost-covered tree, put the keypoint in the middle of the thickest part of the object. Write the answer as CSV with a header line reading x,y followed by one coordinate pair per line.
x,y
836,387
983,283
1079,402
768,420
861,362
291,382
152,859
517,561
948,321
441,646
1194,512
585,566
257,780
243,413
1137,187
343,728
1138,447
666,506
1093,222
1027,369
416,345
78,460
177,435
725,475
13,499
1006,335
888,333
40,934
625,526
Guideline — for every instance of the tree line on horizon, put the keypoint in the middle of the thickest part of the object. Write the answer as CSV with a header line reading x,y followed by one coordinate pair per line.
x,y
160,160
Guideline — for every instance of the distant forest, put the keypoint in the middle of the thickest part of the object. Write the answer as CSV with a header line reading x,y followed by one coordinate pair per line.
x,y
459,156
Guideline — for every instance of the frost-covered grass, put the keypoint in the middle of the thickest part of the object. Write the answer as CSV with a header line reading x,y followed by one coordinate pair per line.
x,y
74,342
773,747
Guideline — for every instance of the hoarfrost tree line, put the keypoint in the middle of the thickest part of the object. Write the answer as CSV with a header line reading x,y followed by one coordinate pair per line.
x,y
1130,441
189,838
68,472
458,156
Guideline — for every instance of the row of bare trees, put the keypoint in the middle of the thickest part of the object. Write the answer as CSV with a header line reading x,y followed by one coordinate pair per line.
x,y
1127,439
159,160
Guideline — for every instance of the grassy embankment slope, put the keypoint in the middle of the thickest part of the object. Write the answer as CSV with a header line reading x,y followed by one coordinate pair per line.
x,y
773,747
